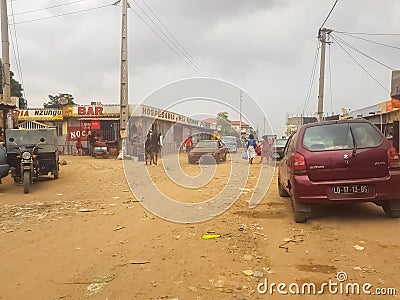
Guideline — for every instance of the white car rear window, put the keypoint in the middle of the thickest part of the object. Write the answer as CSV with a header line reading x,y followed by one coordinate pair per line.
x,y
341,136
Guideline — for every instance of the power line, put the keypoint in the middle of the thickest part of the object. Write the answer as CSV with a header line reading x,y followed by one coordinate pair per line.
x,y
366,33
370,75
167,44
16,50
327,17
330,75
173,37
40,9
64,14
311,83
362,53
173,44
367,40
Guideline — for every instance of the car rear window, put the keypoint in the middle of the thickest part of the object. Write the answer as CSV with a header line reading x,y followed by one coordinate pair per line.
x,y
280,143
341,136
207,144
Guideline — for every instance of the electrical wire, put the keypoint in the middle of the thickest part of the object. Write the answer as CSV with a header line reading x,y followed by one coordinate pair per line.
x,y
369,74
327,17
367,40
330,75
64,14
362,53
366,33
311,83
16,50
40,9
166,43
172,43
173,37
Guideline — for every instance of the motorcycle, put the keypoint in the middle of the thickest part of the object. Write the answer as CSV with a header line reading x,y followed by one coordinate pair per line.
x,y
29,164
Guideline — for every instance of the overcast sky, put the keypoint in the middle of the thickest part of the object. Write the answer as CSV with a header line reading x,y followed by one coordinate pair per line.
x,y
265,47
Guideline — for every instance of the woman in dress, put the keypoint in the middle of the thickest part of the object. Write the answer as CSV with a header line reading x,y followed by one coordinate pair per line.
x,y
266,149
251,145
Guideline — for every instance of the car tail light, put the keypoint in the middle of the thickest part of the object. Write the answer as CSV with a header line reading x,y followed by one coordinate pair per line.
x,y
299,164
393,158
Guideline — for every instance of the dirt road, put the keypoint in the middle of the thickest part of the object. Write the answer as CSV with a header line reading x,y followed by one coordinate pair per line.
x,y
86,236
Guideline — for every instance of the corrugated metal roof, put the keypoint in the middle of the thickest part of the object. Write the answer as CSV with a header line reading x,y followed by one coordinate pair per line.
x,y
8,105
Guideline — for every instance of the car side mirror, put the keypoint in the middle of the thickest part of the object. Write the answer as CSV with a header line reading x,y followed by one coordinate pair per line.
x,y
11,139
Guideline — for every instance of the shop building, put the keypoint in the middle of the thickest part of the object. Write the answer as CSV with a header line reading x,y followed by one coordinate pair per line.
x,y
384,115
73,123
174,128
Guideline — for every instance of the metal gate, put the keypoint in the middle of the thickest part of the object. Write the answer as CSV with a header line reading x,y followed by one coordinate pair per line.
x,y
33,125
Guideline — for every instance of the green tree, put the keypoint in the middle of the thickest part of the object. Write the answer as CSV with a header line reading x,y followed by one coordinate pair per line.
x,y
15,86
224,124
60,100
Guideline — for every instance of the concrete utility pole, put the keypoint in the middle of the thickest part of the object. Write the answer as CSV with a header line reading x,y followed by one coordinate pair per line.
x,y
5,44
124,68
264,126
240,113
322,37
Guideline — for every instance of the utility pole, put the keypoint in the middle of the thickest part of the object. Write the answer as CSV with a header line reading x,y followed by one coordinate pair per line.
x,y
5,44
124,67
240,113
6,83
264,125
322,37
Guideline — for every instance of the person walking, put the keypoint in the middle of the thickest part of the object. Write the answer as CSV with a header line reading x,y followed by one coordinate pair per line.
x,y
251,144
148,156
155,146
160,143
265,149
91,139
78,146
188,143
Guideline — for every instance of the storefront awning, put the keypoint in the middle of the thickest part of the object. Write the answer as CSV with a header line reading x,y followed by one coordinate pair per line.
x,y
98,119
4,105
8,105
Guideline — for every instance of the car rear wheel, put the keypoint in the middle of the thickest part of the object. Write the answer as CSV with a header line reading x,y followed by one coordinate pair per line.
x,y
281,189
299,216
389,211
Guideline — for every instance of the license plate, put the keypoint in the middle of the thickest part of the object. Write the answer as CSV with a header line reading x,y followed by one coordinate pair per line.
x,y
350,189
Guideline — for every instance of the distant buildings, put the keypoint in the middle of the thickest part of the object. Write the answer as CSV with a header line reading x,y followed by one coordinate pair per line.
x,y
294,123
244,131
383,114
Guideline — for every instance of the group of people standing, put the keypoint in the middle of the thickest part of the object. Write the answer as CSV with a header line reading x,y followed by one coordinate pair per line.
x,y
263,148
92,137
152,147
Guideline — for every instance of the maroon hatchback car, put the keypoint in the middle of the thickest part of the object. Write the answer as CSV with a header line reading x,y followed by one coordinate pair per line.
x,y
343,161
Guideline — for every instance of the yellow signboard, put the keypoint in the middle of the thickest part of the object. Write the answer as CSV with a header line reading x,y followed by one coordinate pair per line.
x,y
39,114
